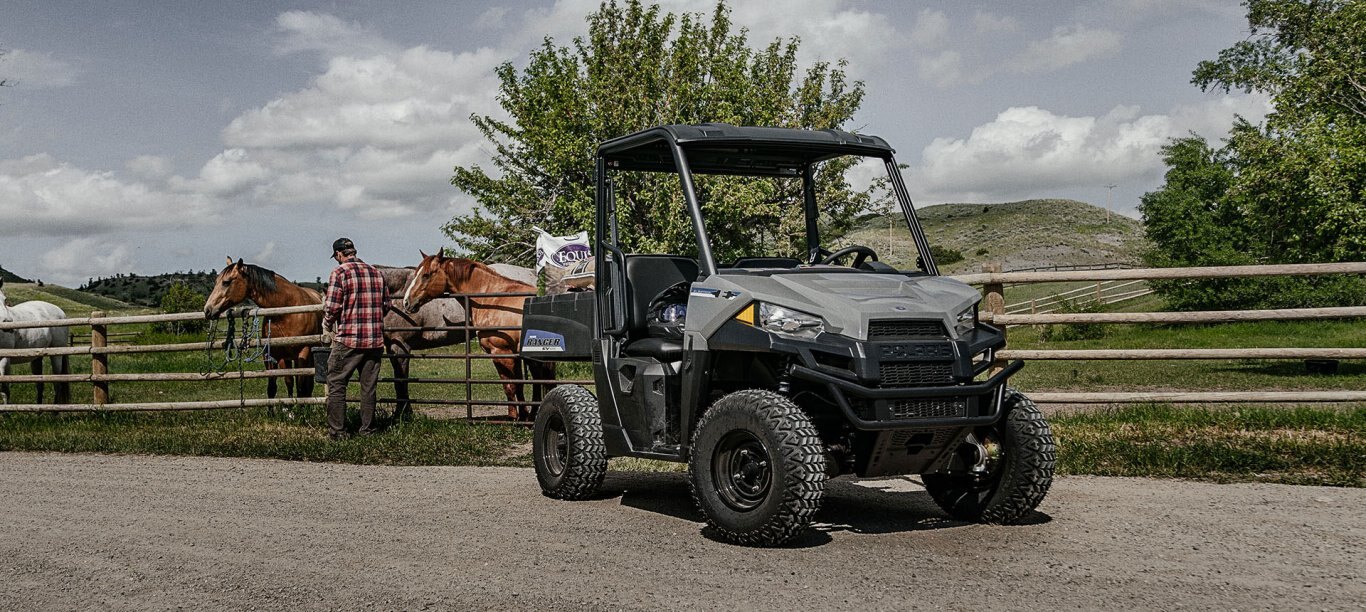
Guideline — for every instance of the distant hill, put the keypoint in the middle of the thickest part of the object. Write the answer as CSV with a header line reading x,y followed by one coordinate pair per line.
x,y
71,301
147,290
10,277
1024,234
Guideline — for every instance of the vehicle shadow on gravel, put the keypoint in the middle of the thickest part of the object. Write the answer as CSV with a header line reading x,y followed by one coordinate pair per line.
x,y
862,507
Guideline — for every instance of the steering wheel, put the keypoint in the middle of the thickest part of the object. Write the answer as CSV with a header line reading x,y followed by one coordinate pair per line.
x,y
863,254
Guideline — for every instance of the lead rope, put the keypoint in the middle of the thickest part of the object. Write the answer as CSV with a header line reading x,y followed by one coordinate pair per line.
x,y
238,349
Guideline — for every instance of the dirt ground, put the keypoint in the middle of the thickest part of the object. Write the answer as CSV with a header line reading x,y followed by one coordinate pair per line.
x,y
156,533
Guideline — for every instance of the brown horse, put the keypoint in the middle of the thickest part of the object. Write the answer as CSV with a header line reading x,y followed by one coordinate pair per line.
x,y
442,317
239,282
439,275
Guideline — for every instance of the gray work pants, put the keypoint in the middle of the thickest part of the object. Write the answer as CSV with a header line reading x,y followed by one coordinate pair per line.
x,y
343,361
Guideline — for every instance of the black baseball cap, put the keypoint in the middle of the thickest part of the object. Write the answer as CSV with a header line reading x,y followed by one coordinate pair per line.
x,y
342,244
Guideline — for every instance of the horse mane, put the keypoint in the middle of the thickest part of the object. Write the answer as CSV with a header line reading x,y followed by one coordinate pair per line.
x,y
487,268
261,277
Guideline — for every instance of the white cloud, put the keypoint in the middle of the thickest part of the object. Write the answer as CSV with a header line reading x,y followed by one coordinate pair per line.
x,y
991,23
264,255
1067,46
931,29
493,18
947,69
1026,151
42,196
377,135
36,70
82,258
327,34
150,167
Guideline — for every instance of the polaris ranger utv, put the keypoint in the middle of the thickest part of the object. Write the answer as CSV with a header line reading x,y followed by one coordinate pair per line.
x,y
768,375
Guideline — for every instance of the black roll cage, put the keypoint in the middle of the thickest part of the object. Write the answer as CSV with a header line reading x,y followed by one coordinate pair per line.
x,y
714,148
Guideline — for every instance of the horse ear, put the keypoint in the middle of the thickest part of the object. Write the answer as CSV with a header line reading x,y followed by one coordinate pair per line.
x,y
239,261
424,253
230,260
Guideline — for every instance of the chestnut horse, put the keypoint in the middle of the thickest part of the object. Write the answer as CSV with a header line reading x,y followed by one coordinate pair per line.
x,y
402,333
438,275
239,282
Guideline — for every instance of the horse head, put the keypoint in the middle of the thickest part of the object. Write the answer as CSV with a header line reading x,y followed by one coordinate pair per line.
x,y
429,282
5,315
229,289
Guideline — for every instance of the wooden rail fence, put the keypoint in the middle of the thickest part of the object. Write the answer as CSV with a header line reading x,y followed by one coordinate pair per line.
x,y
995,311
100,349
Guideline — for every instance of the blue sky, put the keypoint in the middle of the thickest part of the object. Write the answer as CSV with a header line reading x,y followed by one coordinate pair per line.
x,y
158,136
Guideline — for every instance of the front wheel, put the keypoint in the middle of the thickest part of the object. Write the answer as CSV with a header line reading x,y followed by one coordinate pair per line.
x,y
758,469
1009,467
567,444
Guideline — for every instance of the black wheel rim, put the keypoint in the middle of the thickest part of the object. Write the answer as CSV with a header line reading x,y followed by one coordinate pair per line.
x,y
742,470
554,445
973,491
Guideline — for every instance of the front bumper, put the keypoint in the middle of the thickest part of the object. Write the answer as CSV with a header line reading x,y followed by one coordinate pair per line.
x,y
980,402
905,382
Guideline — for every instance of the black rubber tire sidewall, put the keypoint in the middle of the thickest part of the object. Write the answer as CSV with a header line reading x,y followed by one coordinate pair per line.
x,y
1026,474
585,461
796,461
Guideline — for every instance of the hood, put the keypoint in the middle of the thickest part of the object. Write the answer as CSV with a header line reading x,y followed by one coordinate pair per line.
x,y
849,300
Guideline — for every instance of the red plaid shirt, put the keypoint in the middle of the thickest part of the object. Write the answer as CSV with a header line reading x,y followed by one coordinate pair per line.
x,y
356,301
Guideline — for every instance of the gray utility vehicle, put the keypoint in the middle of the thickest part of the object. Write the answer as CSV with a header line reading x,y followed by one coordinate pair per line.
x,y
784,372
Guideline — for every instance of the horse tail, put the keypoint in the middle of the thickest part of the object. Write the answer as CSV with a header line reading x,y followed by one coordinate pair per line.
x,y
62,389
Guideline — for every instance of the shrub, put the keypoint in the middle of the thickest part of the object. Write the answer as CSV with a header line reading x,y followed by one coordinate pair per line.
x,y
943,256
181,298
1066,332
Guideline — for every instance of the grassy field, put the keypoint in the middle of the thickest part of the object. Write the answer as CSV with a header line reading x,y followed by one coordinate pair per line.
x,y
1296,445
1016,234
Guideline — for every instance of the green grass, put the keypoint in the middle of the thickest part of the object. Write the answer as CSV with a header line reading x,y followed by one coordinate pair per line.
x,y
1016,234
257,433
1312,446
1294,445
74,303
1195,375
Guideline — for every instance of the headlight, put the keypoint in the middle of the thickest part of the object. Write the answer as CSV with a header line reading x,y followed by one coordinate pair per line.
x,y
789,322
966,320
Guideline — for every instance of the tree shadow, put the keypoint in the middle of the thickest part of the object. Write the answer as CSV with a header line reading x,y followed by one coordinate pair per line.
x,y
876,506
1291,369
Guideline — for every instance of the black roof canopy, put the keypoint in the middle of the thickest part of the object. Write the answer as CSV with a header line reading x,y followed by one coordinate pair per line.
x,y
719,148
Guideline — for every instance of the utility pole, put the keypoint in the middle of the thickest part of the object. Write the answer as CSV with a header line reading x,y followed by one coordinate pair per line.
x,y
1110,192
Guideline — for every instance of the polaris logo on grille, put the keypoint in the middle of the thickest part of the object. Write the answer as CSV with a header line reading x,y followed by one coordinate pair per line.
x,y
537,341
910,351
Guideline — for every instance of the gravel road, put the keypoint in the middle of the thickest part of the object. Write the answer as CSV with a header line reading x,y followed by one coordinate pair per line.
x,y
156,533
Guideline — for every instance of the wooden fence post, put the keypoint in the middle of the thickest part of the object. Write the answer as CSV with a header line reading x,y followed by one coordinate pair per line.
x,y
99,362
994,301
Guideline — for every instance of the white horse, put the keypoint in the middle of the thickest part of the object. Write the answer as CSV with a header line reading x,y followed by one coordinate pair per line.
x,y
34,337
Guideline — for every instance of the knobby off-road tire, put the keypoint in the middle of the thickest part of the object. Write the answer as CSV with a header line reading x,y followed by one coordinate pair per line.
x,y
758,468
567,444
1020,477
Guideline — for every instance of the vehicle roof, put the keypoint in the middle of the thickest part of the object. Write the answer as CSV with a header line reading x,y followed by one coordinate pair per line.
x,y
720,148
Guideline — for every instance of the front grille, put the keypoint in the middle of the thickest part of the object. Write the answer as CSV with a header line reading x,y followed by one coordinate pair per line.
x,y
903,329
915,374
927,408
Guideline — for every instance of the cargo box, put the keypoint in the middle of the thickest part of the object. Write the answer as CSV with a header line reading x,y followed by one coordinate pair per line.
x,y
559,327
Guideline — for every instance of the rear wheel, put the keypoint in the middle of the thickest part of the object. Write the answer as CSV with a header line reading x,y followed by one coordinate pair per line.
x,y
567,444
1013,462
758,470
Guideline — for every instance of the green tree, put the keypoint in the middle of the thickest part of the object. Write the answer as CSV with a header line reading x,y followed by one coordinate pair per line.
x,y
1292,190
181,298
638,67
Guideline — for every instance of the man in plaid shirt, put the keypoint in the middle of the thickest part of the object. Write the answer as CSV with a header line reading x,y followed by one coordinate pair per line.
x,y
353,323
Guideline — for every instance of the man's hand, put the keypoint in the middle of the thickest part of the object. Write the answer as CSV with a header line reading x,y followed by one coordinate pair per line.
x,y
328,334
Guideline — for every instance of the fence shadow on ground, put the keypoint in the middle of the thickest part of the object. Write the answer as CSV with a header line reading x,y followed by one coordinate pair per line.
x,y
862,507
